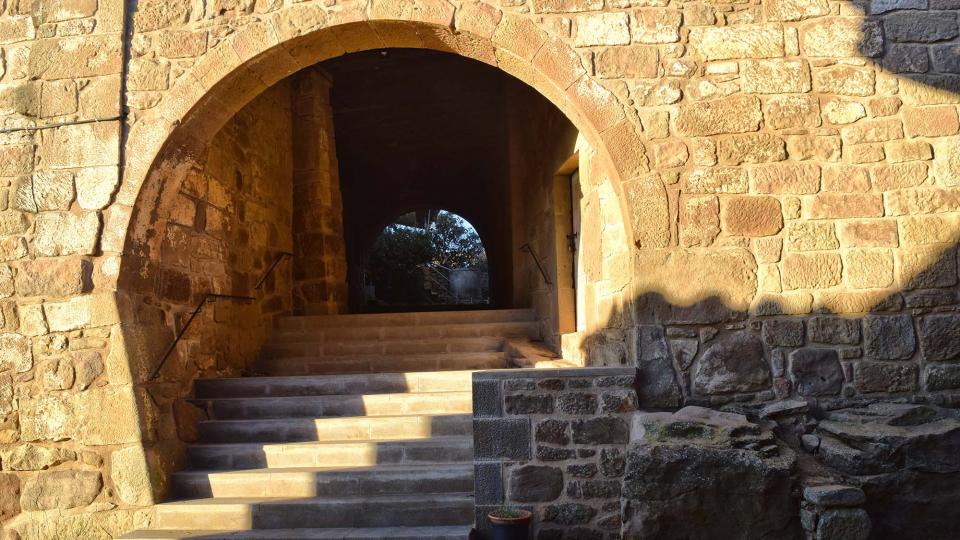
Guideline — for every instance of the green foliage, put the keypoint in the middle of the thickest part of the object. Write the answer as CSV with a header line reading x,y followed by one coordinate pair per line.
x,y
401,250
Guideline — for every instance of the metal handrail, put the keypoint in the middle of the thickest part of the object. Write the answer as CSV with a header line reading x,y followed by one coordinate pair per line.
x,y
210,298
536,259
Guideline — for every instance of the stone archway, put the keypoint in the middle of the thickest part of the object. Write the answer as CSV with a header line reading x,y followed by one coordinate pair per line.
x,y
162,144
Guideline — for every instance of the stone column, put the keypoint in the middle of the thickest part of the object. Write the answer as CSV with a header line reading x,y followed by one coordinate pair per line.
x,y
320,267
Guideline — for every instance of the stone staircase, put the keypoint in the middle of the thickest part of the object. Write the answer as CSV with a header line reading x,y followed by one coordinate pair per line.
x,y
361,429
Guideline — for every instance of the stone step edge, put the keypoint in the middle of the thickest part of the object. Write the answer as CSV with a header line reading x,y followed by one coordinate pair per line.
x,y
420,533
452,466
282,378
466,416
425,442
412,498
334,398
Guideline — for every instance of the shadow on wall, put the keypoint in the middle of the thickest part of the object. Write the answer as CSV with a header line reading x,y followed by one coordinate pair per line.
x,y
869,345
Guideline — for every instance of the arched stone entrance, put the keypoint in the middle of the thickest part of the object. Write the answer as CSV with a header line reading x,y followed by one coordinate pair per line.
x,y
165,144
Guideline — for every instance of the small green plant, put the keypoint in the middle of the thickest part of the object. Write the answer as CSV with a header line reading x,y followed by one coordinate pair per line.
x,y
508,512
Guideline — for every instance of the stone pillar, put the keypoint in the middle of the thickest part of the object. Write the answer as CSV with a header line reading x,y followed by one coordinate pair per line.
x,y
320,267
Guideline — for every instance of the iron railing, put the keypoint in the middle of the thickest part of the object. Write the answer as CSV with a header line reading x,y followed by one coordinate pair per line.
x,y
536,259
213,297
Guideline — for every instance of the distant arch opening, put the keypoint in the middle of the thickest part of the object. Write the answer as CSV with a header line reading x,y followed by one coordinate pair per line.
x,y
426,259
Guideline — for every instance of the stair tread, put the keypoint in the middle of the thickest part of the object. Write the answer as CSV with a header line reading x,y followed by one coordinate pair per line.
x,y
346,442
407,533
383,374
380,468
390,498
338,397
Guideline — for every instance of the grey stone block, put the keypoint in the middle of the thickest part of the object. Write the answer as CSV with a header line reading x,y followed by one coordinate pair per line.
x,y
507,438
487,400
488,483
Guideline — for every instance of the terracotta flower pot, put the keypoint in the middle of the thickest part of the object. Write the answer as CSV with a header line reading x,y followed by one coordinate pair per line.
x,y
512,527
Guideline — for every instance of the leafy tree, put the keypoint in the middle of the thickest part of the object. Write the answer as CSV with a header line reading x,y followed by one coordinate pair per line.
x,y
399,253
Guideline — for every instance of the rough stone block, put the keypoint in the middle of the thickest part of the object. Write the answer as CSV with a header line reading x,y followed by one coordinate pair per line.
x,y
845,80
811,271
782,179
889,337
834,37
940,337
811,236
917,27
507,438
738,114
868,268
736,363
602,29
833,330
535,483
739,41
600,430
931,121
488,483
60,490
751,148
783,332
816,372
783,112
885,376
487,400
751,215
631,62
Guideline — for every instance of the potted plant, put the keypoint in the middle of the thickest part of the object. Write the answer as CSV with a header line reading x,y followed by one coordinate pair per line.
x,y
510,523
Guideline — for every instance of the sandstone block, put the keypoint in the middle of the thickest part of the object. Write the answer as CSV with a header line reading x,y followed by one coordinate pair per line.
x,y
885,377
670,154
775,76
15,353
656,25
751,216
728,274
920,230
16,160
82,311
928,89
795,10
181,44
630,62
922,200
602,29
873,131
54,277
926,267
839,111
811,271
699,221
82,145
783,112
845,80
868,269
61,490
95,186
846,205
738,114
811,236
44,191
13,222
10,502
889,337
32,457
76,56
67,234
931,121
841,37
898,175
785,179
874,233
739,41
157,14
716,180
131,478
846,179
737,363
751,148
900,151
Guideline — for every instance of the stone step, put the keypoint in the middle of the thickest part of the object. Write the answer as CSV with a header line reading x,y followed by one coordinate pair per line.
x,y
448,449
432,331
307,364
338,406
321,385
453,532
324,482
406,319
397,348
339,429
319,512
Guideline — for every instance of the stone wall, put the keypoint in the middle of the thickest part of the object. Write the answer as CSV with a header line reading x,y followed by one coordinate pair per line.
x,y
552,441
782,179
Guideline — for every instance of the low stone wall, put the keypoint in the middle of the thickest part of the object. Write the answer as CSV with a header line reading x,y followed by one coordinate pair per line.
x,y
552,441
